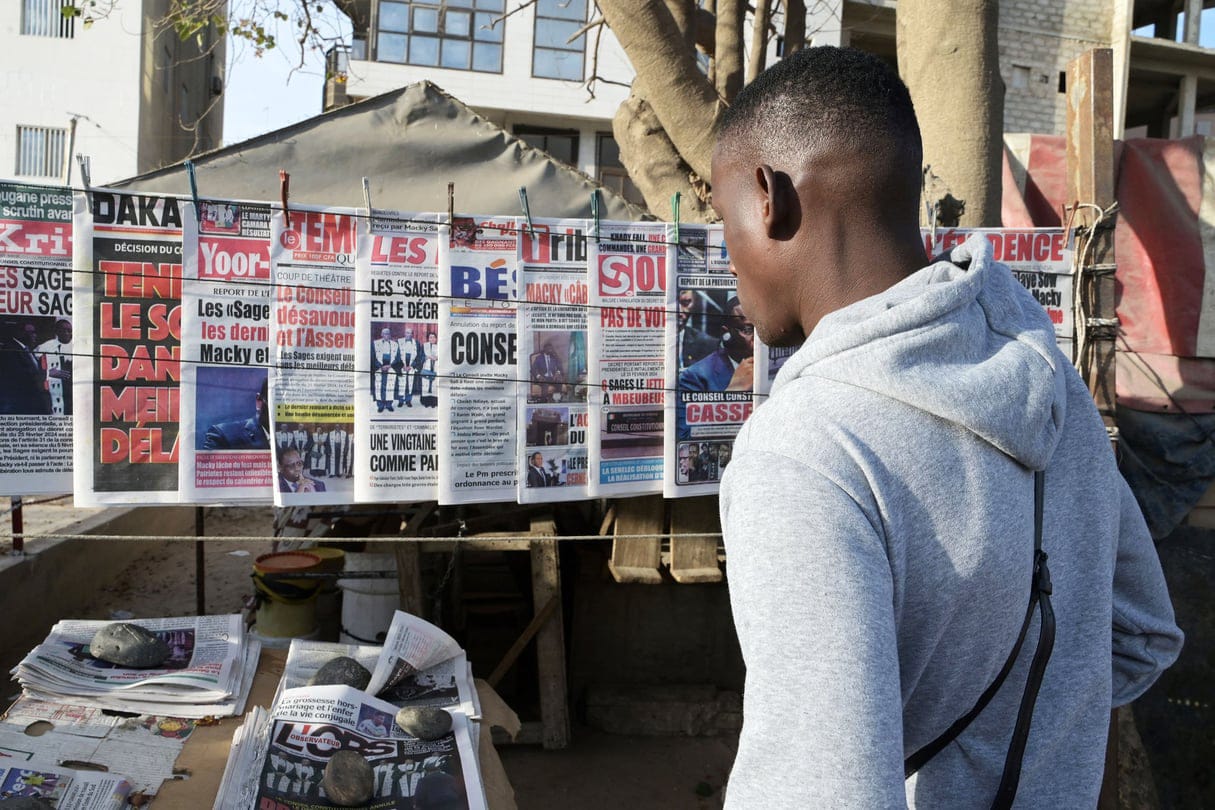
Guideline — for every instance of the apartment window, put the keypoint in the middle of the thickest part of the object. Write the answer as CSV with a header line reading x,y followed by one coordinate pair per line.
x,y
456,34
40,151
560,143
553,56
44,18
611,172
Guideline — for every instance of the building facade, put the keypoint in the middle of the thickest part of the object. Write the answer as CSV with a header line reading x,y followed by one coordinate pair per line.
x,y
526,68
123,91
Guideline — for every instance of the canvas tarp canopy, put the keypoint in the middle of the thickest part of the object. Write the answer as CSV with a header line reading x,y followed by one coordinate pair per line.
x,y
409,143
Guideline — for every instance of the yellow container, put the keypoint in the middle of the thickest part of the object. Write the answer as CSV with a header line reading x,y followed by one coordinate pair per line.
x,y
287,607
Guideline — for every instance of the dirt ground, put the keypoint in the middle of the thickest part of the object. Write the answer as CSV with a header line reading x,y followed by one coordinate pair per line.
x,y
598,770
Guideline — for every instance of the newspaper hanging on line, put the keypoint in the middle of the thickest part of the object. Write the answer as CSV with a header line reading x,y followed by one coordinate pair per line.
x,y
710,367
552,410
477,366
37,354
626,343
312,338
127,293
60,786
1039,258
397,356
226,451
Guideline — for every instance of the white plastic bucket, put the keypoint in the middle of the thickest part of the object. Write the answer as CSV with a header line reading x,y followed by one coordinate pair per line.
x,y
368,604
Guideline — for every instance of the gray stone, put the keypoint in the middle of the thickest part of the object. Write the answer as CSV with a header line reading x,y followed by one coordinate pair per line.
x,y
349,779
342,670
424,722
129,645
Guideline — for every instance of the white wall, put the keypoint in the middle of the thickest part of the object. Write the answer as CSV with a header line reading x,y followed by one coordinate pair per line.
x,y
44,80
514,88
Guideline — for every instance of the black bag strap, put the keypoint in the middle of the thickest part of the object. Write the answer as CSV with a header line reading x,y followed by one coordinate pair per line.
x,y
1039,597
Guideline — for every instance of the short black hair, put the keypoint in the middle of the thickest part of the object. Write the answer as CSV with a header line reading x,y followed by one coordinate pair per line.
x,y
827,95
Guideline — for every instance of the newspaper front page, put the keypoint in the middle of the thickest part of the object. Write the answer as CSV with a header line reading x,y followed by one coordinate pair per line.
x,y
64,788
127,292
477,368
226,451
627,344
397,357
36,352
309,725
312,333
710,363
552,413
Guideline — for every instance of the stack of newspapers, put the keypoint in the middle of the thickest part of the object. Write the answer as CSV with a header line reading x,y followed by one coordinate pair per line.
x,y
278,757
208,673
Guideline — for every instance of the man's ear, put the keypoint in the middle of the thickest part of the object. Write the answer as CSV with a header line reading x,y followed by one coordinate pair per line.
x,y
778,202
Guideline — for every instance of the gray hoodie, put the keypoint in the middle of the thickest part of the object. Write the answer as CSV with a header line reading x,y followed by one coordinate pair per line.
x,y
878,520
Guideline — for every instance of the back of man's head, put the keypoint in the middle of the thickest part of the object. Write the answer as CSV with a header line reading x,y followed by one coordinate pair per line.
x,y
823,101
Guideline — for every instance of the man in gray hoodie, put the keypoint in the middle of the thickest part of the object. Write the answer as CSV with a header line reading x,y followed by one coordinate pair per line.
x,y
879,508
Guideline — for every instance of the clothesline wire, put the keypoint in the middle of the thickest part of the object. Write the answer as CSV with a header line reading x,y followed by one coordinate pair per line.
x,y
328,539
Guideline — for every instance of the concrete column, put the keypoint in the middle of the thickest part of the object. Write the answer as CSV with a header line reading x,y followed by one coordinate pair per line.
x,y
1187,98
1193,20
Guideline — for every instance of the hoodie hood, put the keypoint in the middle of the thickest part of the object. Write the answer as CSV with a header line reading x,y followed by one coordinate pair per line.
x,y
960,339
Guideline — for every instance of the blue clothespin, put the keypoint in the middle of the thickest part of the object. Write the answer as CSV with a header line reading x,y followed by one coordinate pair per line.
x,y
194,191
527,214
595,211
675,214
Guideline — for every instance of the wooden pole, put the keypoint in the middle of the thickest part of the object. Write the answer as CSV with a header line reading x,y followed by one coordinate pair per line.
x,y
1090,182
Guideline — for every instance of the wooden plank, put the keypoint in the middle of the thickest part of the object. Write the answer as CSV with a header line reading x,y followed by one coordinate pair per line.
x,y
409,577
1090,180
550,639
521,643
637,559
695,527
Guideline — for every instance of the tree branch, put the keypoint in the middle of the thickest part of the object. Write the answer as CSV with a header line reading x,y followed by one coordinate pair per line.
x,y
759,39
729,48
678,92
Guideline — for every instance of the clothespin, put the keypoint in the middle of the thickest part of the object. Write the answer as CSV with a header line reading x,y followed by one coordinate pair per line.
x,y
194,190
1070,210
83,161
527,214
451,202
367,195
675,214
284,189
595,211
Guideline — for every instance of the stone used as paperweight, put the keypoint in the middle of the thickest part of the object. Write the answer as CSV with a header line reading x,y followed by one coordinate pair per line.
x,y
349,779
129,645
424,722
342,670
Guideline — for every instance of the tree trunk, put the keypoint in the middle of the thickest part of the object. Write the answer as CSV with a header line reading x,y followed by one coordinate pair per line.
x,y
729,48
795,26
951,66
680,95
759,39
654,164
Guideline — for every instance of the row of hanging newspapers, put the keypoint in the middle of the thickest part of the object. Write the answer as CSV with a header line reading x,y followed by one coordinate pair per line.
x,y
157,350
